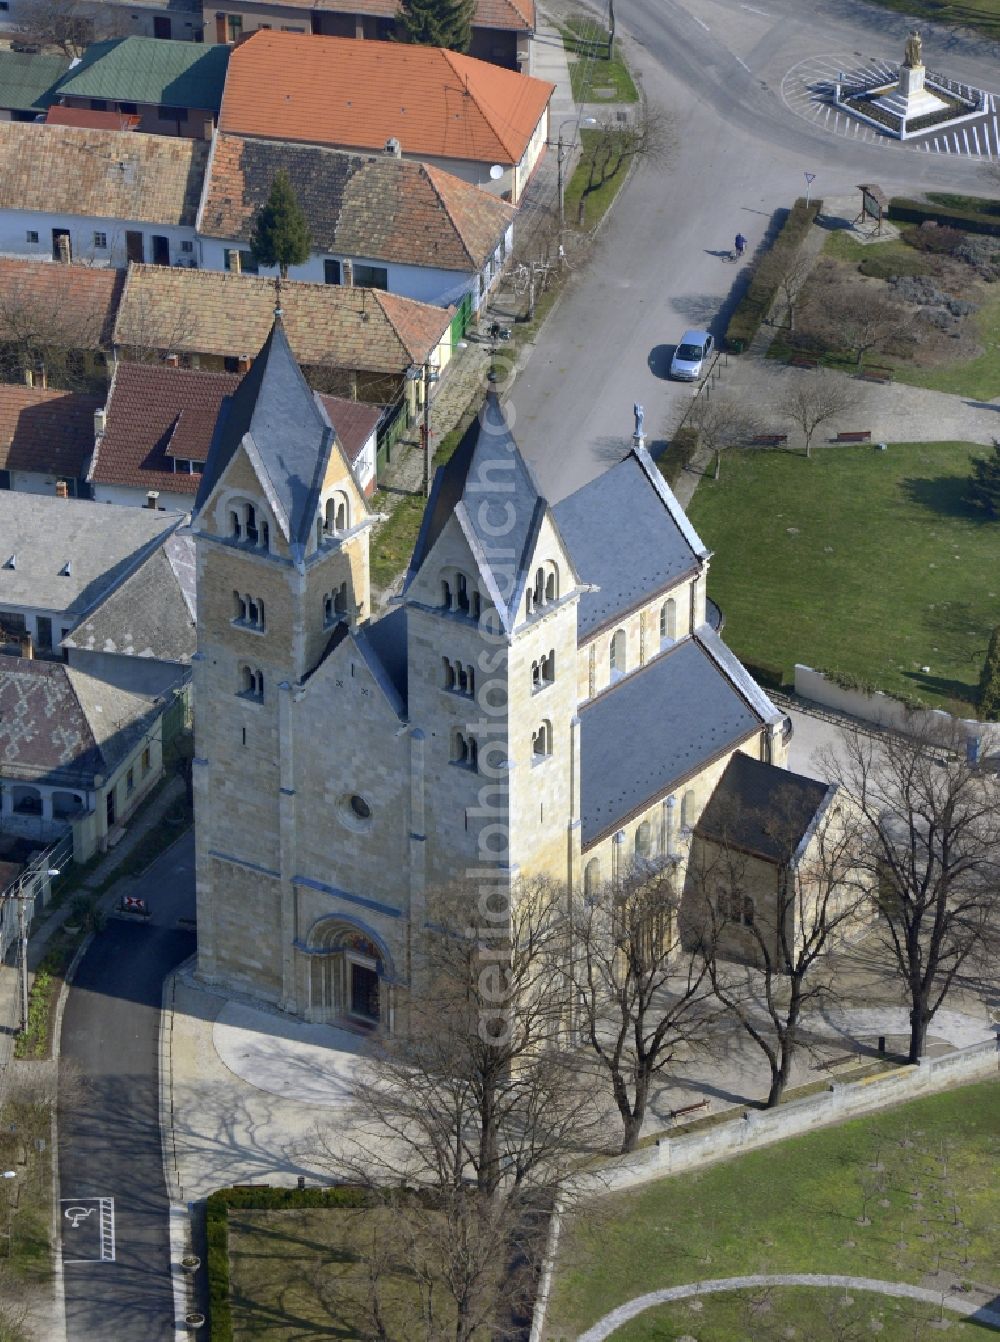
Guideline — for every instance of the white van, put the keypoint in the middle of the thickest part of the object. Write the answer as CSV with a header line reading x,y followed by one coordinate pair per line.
x,y
691,356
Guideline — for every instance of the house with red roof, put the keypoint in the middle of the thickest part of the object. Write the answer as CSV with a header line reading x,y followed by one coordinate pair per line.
x,y
478,121
46,438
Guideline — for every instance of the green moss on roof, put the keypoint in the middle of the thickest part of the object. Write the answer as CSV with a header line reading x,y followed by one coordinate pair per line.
x,y
150,70
26,80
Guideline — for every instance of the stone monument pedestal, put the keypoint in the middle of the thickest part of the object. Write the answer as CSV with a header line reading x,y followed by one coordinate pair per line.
x,y
910,98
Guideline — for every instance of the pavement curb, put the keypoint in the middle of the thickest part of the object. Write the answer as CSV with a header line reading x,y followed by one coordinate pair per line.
x,y
548,1268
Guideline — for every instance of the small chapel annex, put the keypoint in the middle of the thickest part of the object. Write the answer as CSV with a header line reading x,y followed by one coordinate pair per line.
x,y
547,694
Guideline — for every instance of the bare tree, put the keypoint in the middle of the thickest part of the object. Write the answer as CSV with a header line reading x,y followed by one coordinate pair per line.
x,y
46,328
641,999
70,25
932,849
148,329
814,398
722,422
613,144
787,274
857,320
813,890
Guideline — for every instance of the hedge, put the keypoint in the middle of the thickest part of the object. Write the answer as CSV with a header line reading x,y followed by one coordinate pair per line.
x,y
765,673
217,1209
755,304
903,211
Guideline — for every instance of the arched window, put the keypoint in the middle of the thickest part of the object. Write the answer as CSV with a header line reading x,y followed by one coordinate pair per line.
x,y
265,536
462,601
551,583
235,525
643,841
529,602
592,877
617,657
541,741
549,668
239,608
687,809
668,622
253,535
449,673
337,513
465,751
328,608
446,594
340,600
536,675
251,682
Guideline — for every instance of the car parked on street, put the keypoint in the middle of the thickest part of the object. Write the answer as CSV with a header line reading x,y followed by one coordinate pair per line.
x,y
691,356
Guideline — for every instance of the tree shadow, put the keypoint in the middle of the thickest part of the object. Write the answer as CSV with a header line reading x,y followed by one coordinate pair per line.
x,y
942,685
944,495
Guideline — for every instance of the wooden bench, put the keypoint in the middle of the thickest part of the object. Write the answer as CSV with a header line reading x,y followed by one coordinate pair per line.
x,y
882,375
803,361
769,440
689,1109
854,436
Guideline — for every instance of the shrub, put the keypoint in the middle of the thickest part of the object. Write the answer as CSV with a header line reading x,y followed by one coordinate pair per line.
x,y
984,483
988,698
934,237
903,211
753,307
765,673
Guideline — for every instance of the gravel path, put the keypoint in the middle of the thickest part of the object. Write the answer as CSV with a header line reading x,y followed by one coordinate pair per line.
x,y
605,1327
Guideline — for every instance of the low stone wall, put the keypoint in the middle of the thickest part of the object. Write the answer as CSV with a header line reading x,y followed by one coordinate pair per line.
x,y
754,1128
884,711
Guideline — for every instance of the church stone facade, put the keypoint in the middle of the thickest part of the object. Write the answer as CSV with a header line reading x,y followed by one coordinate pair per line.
x,y
547,695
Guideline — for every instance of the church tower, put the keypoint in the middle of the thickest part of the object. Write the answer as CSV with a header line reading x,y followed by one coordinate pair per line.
x,y
281,532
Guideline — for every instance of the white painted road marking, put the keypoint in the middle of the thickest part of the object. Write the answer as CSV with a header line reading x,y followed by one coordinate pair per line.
x,y
701,22
88,1229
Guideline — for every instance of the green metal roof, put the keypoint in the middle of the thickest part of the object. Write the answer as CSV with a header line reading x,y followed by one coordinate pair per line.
x,y
150,70
26,80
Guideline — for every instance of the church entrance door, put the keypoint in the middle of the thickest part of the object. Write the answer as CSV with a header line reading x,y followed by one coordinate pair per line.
x,y
364,993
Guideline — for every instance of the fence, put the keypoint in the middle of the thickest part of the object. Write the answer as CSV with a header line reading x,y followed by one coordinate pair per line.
x,y
460,321
32,886
394,424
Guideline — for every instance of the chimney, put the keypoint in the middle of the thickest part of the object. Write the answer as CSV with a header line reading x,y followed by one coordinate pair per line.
x,y
62,489
172,360
25,648
347,274
393,148
234,262
29,378
243,363
100,421
151,497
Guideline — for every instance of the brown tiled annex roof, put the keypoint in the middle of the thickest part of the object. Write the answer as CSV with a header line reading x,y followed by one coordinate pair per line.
x,y
46,431
72,305
104,173
338,91
83,116
212,312
376,207
354,422
518,15
154,414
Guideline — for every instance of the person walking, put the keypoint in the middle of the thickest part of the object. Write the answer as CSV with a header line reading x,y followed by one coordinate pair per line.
x,y
741,245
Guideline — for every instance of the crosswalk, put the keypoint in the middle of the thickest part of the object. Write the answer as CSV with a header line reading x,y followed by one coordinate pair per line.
x,y
808,87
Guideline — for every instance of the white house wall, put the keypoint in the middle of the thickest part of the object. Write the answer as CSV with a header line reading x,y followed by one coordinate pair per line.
x,y
136,498
15,225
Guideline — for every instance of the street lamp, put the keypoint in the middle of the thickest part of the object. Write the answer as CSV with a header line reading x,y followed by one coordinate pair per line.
x,y
560,150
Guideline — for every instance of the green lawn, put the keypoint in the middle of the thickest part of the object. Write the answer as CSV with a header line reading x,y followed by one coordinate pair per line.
x,y
922,1173
597,202
978,378
856,561
983,15
594,78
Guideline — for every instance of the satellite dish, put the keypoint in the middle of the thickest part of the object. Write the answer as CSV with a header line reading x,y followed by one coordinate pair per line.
x,y
496,172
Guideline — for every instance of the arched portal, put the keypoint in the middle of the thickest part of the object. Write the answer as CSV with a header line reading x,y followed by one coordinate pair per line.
x,y
348,974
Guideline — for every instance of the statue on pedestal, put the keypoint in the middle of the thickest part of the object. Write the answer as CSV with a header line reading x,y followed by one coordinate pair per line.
x,y
640,417
914,50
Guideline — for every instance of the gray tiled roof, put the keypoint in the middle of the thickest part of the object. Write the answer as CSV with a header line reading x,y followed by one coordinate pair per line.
x,y
653,729
485,481
152,613
385,640
762,809
626,534
100,542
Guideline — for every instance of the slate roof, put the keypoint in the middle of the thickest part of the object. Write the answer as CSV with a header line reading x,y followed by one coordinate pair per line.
x,y
26,79
75,305
338,91
104,173
628,535
212,312
383,645
46,431
652,730
150,614
154,414
761,809
285,430
484,481
518,15
59,725
150,70
101,543
381,207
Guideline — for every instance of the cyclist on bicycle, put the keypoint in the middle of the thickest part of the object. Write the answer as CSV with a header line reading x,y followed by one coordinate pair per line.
x,y
741,244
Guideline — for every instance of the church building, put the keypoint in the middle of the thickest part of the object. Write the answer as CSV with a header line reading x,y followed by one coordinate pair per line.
x,y
547,695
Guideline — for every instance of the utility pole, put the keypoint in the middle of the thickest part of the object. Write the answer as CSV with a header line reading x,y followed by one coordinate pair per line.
x,y
562,192
425,432
22,929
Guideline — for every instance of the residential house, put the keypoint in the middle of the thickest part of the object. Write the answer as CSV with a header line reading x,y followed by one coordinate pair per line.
x,y
141,636
376,221
175,88
26,80
46,439
59,557
118,18
501,29
357,343
485,124
156,429
75,753
104,197
82,116
56,322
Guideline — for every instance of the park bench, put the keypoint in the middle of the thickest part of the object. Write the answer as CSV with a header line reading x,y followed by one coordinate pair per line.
x,y
689,1109
854,436
769,440
803,361
882,375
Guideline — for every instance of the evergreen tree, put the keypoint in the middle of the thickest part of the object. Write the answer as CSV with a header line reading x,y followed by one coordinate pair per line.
x,y
280,233
984,483
437,23
988,699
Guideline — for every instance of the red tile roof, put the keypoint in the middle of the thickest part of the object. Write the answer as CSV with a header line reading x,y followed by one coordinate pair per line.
x,y
46,431
518,15
354,422
82,116
75,303
338,91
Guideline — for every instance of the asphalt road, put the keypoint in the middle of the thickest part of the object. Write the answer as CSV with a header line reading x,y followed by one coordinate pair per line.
x,y
115,1241
717,69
